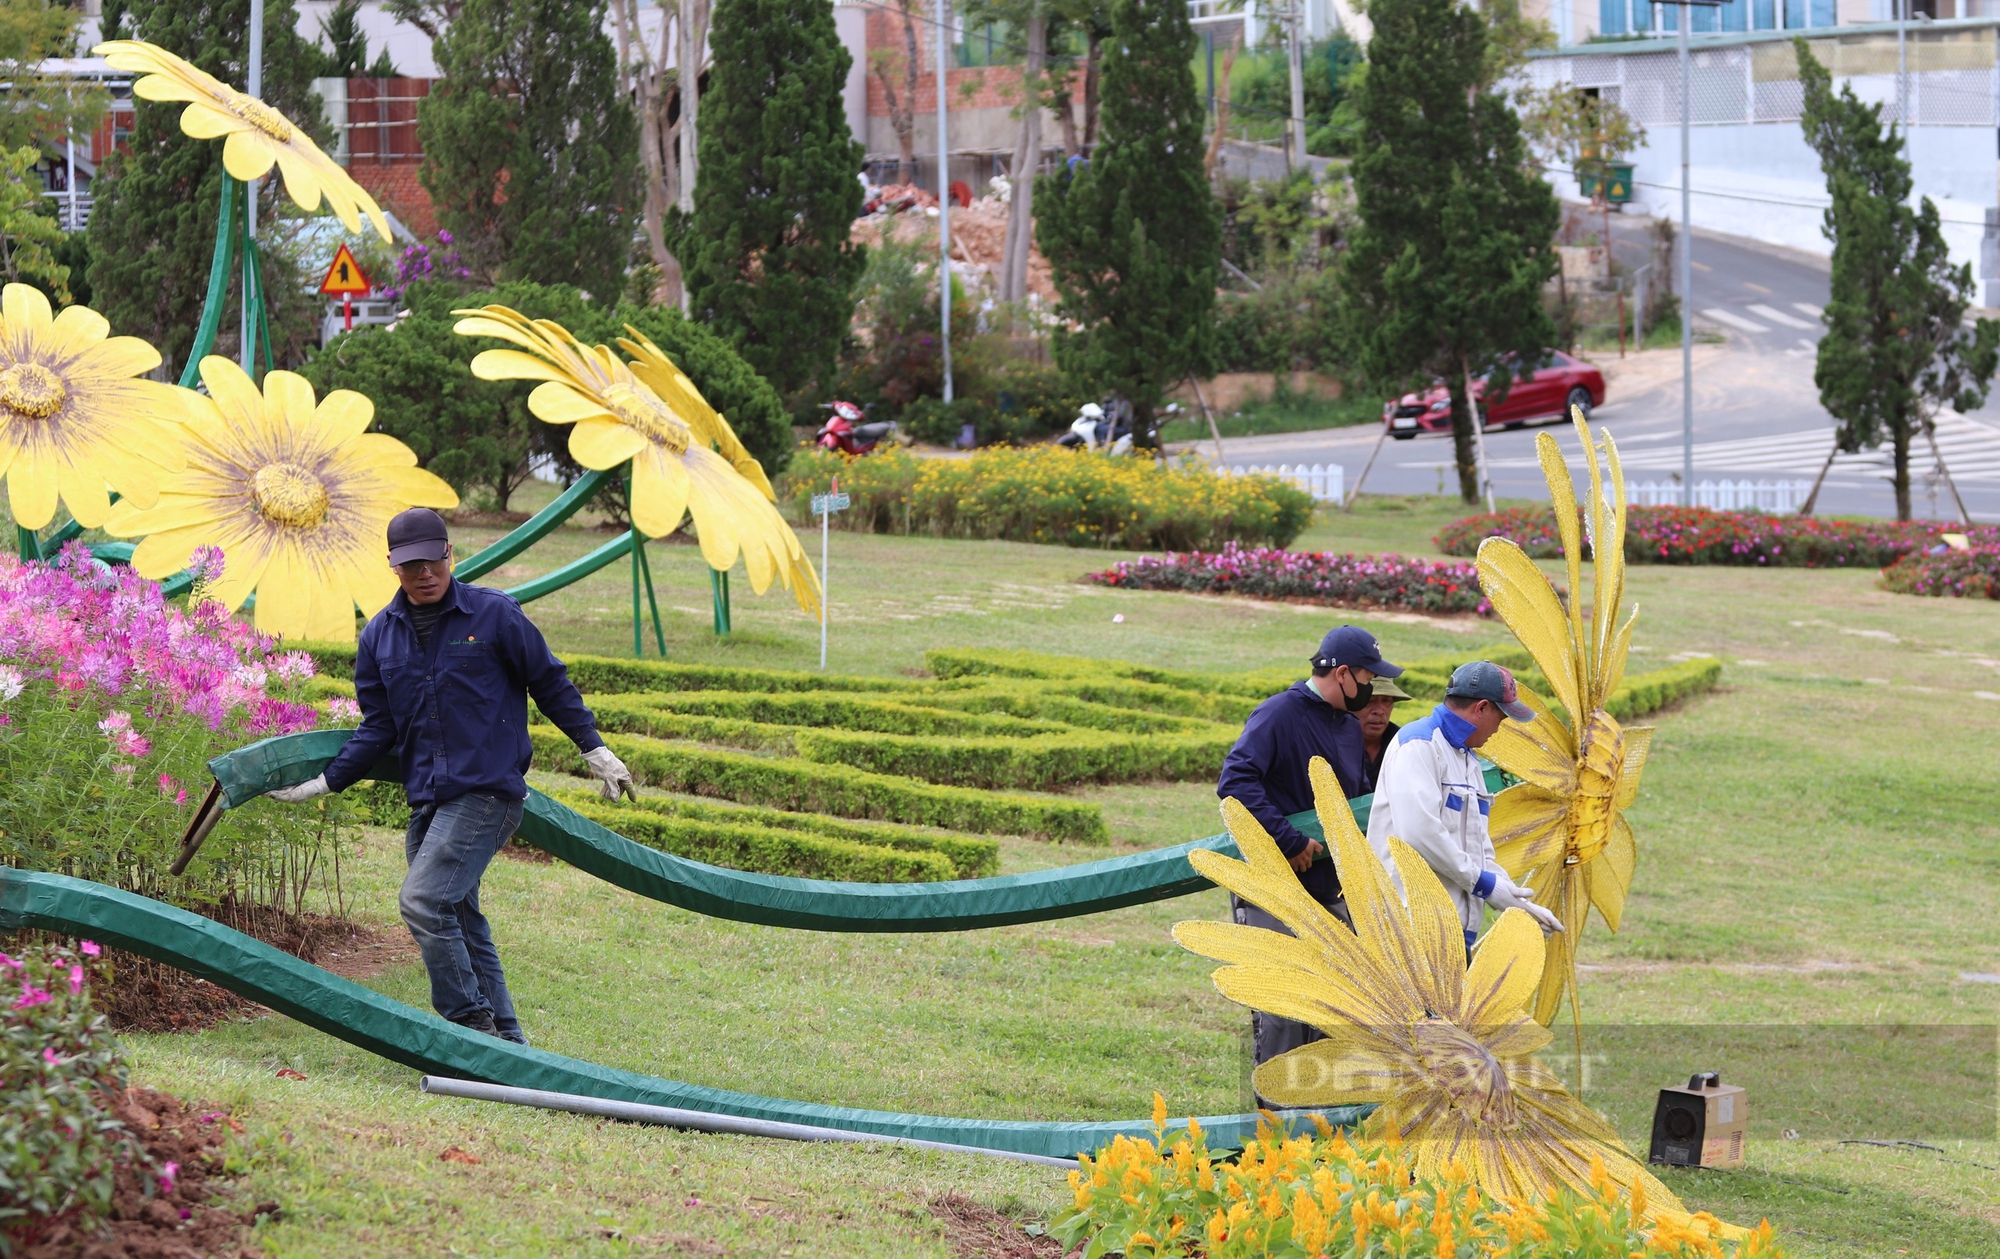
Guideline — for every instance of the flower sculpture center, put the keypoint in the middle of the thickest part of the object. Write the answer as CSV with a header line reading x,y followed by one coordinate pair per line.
x,y
289,495
639,412
1599,769
1467,1072
33,391
263,117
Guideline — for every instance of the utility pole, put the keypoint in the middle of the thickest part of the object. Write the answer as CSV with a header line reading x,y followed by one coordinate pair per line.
x,y
251,279
1902,63
944,196
1295,125
1685,8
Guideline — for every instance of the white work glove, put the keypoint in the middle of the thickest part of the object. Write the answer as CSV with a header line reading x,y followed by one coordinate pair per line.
x,y
303,792
1507,894
612,776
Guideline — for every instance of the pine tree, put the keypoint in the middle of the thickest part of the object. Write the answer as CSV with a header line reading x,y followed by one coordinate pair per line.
x,y
1444,276
152,230
766,250
530,155
1133,236
1895,348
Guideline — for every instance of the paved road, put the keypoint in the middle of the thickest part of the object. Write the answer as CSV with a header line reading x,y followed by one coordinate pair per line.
x,y
1756,410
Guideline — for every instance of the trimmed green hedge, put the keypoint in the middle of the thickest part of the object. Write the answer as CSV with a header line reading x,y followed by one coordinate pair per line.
x,y
766,850
1650,692
1044,763
809,787
844,712
971,856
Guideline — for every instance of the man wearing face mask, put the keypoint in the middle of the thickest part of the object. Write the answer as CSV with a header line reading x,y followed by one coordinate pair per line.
x,y
1266,772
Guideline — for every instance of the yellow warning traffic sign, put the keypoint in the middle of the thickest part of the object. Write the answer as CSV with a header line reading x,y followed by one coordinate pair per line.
x,y
344,276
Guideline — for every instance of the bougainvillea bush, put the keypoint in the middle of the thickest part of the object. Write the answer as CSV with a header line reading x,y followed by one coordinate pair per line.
x,y
1973,574
1052,495
59,1146
1697,535
1361,581
112,700
1323,1195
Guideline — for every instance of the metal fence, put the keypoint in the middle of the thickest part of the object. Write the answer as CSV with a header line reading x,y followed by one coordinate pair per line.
x,y
1772,496
72,209
1942,78
1326,482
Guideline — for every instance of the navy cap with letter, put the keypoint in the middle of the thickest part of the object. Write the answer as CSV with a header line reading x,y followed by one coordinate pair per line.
x,y
1356,649
417,534
1482,679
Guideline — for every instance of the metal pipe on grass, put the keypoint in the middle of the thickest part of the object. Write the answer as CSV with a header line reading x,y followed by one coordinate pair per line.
x,y
697,1120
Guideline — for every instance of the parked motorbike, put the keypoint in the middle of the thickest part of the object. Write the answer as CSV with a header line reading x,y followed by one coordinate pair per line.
x,y
1111,434
848,431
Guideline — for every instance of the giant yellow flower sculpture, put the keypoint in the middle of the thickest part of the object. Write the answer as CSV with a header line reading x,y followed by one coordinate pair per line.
x,y
1562,831
618,416
76,418
297,495
651,364
258,136
1445,1050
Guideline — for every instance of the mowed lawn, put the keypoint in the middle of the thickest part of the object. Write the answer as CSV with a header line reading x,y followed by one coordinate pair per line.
x,y
1818,852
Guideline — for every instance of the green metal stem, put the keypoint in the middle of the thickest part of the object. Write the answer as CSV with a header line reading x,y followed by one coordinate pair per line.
x,y
253,282
718,586
532,530
646,564
574,571
218,285
31,543
638,545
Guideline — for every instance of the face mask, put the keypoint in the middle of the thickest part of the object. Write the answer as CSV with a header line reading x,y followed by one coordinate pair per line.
x,y
1363,692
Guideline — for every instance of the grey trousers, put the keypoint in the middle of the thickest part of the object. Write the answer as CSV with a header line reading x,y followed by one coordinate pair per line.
x,y
1270,1034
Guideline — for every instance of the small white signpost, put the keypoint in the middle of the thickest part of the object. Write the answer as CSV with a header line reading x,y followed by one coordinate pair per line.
x,y
824,505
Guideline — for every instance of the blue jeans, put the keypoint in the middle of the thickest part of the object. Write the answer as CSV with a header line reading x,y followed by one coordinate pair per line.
x,y
448,847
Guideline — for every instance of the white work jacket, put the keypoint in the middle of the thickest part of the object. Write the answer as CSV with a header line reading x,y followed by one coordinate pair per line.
x,y
1432,796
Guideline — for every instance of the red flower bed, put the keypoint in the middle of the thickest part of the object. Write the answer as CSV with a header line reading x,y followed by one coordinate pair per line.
x,y
1697,535
1971,574
1364,581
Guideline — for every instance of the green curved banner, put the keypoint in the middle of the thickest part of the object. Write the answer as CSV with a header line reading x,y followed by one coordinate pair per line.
x,y
371,1021
778,900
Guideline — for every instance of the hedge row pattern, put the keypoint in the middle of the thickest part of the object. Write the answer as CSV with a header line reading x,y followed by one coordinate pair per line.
x,y
805,786
766,850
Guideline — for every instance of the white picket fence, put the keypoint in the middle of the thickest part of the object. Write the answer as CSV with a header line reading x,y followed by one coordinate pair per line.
x,y
1771,496
1326,482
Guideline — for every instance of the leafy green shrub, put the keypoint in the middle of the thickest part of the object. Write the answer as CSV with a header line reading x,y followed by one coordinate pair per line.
x,y
803,844
1044,763
59,1146
831,709
1050,495
805,786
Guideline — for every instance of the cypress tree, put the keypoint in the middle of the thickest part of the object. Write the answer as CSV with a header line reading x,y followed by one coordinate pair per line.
x,y
1133,236
1444,275
531,157
152,230
766,250
1895,348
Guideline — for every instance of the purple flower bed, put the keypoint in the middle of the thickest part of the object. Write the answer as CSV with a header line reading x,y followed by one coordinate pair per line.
x,y
1364,581
1973,574
1697,535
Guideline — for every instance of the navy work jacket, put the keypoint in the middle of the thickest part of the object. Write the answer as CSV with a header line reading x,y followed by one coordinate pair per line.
x,y
1267,771
458,713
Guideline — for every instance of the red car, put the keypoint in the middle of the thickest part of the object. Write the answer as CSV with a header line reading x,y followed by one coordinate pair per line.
x,y
1557,383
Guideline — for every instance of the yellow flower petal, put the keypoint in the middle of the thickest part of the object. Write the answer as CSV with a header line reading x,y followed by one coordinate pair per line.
x,y
660,487
202,121
25,311
31,489
557,402
603,444
248,155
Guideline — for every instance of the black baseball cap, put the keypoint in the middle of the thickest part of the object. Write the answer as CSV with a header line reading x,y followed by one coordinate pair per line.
x,y
417,534
1355,648
1482,679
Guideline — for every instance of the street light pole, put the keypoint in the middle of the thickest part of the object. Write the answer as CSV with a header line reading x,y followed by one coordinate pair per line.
x,y
1687,285
944,199
255,87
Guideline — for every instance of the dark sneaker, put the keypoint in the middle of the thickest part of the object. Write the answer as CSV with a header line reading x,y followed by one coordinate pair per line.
x,y
479,1021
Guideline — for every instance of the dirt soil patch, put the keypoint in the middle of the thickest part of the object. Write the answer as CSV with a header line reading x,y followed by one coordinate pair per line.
x,y
184,1222
977,1231
149,996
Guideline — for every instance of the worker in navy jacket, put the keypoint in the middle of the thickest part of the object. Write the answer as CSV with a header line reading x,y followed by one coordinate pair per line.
x,y
1266,772
442,675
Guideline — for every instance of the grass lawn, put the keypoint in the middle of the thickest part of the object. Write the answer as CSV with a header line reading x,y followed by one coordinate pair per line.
x,y
1819,842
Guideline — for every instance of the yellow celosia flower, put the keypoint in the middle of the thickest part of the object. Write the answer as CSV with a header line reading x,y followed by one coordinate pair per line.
x,y
1444,1050
258,136
617,416
1562,830
76,416
297,496
651,364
